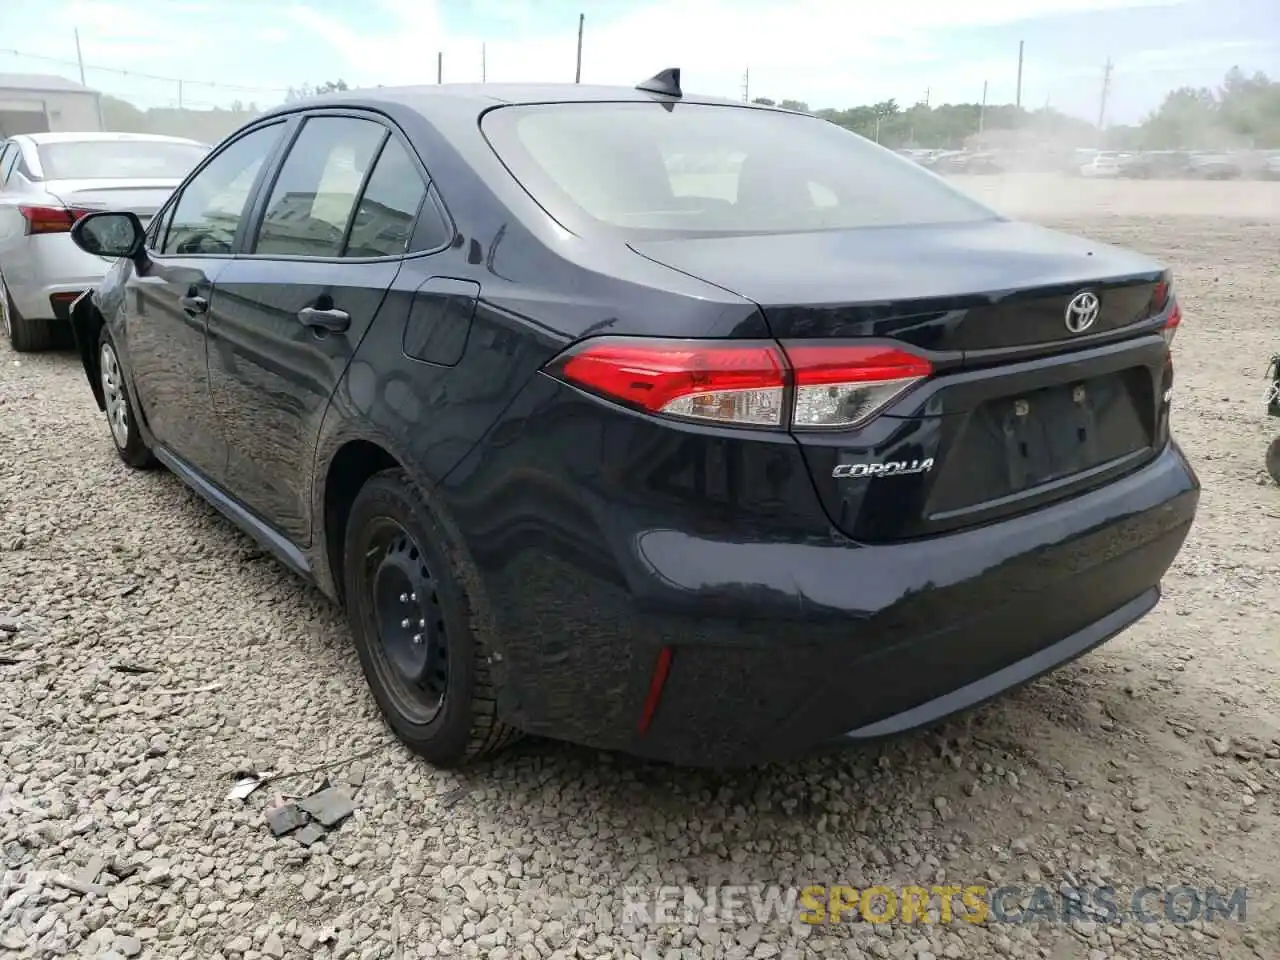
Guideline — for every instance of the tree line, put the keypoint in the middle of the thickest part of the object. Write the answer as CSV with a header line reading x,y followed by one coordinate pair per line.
x,y
1244,111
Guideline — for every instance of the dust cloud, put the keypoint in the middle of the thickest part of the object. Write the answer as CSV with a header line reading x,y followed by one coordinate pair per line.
x,y
1055,196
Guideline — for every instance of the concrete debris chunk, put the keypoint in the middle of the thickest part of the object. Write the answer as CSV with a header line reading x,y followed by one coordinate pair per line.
x,y
330,807
309,834
285,818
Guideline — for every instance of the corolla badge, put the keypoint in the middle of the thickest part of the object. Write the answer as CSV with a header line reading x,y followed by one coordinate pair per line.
x,y
1082,311
887,468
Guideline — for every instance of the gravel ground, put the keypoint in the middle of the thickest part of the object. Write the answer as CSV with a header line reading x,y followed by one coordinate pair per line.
x,y
149,652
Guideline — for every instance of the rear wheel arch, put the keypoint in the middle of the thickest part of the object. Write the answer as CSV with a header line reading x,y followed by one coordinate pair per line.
x,y
356,461
350,467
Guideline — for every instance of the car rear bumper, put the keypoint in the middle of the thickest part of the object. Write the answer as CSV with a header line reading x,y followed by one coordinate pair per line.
x,y
52,272
779,648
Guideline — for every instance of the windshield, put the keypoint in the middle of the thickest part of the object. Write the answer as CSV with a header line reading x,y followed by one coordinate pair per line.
x,y
119,159
698,169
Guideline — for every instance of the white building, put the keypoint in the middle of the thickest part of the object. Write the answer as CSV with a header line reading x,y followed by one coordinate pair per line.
x,y
41,103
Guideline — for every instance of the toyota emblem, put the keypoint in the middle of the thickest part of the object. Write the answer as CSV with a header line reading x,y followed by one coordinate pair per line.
x,y
1082,311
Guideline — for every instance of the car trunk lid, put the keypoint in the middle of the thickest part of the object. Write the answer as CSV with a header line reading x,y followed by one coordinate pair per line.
x,y
1021,410
142,197
975,292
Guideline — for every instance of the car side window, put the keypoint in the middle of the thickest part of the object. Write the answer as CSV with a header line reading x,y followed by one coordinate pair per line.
x,y
385,215
315,193
20,167
157,228
208,214
8,160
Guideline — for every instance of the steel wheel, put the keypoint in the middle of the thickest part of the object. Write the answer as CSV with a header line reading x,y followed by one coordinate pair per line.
x,y
411,654
114,396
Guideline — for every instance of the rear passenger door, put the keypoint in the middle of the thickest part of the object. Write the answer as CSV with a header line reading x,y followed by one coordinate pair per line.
x,y
290,311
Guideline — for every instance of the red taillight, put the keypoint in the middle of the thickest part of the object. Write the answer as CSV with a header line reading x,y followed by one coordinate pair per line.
x,y
50,219
746,383
1162,299
1170,329
1160,295
731,383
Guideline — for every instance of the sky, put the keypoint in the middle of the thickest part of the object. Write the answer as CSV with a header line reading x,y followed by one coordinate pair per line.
x,y
827,53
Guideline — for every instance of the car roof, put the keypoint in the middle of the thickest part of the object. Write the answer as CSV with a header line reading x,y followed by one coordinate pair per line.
x,y
107,137
483,96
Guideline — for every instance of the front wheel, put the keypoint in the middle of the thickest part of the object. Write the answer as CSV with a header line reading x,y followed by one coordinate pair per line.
x,y
1273,460
411,618
125,433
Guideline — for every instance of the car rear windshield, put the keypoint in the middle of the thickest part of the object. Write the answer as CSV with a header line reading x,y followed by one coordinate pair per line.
x,y
699,169
119,159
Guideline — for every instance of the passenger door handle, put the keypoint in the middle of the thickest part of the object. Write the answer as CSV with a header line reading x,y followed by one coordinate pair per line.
x,y
333,321
193,304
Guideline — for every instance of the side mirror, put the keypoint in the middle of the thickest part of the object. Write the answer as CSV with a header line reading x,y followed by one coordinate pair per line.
x,y
109,234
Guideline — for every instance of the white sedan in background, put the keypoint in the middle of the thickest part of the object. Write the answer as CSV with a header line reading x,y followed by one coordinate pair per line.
x,y
48,181
1104,165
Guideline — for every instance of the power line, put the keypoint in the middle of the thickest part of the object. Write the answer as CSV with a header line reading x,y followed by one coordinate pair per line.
x,y
142,76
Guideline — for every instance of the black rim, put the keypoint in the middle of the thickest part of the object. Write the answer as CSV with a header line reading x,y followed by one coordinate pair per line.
x,y
411,652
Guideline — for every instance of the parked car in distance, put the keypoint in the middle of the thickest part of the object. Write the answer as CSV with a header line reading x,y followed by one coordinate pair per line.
x,y
1103,164
586,453
1271,167
924,156
47,180
1214,166
1077,159
981,162
947,162
1156,164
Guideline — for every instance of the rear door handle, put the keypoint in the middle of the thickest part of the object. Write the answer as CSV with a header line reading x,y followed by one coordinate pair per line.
x,y
193,304
334,321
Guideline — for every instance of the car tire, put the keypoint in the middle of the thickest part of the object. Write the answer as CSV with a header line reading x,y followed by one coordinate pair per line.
x,y
1273,460
412,620
121,420
24,335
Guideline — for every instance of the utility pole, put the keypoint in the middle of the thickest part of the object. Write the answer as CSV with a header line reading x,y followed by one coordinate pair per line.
x,y
926,98
1102,100
440,67
982,111
483,68
1018,100
80,58
577,74
97,100
179,94
746,85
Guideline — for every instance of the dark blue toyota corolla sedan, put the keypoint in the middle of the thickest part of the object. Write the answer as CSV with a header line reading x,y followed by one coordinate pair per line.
x,y
695,429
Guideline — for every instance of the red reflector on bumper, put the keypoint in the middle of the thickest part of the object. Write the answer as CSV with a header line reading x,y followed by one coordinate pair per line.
x,y
656,683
